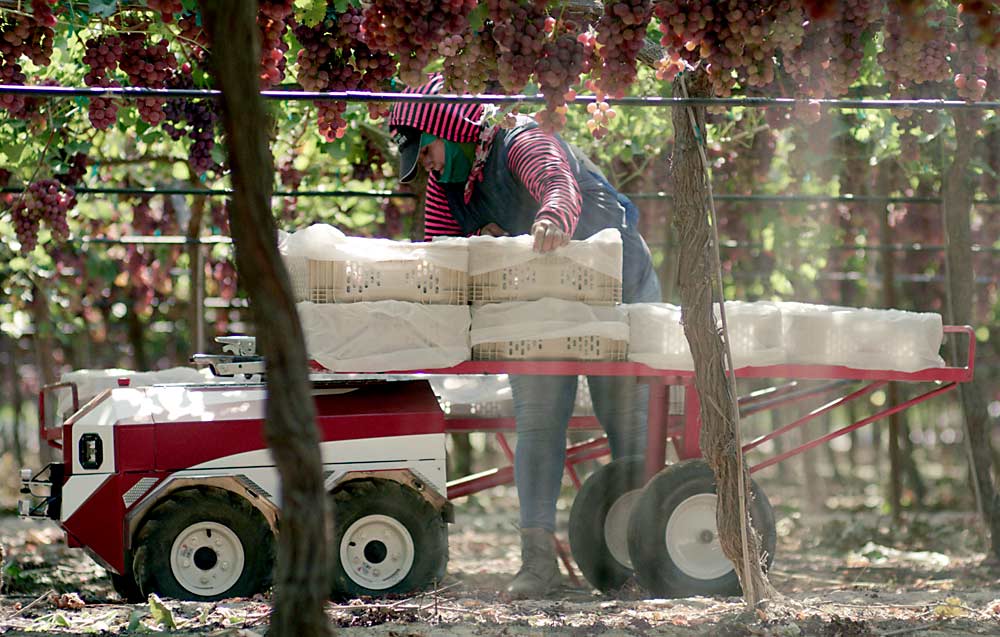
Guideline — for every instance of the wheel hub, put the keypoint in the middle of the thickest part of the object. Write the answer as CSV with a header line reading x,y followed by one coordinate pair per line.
x,y
616,527
377,552
692,538
207,558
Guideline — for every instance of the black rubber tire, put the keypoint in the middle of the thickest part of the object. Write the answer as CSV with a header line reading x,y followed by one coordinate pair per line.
x,y
424,523
180,510
125,584
587,537
655,570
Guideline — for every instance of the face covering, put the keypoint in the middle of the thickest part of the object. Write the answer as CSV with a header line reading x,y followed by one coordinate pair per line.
x,y
457,159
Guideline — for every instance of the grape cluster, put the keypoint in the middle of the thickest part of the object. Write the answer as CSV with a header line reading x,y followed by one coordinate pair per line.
x,y
377,69
291,179
273,23
368,163
600,112
519,30
829,58
76,168
970,63
196,118
167,8
473,66
563,59
734,40
10,73
325,65
621,32
101,55
25,35
46,201
223,275
336,56
219,215
143,222
193,35
414,29
147,65
916,46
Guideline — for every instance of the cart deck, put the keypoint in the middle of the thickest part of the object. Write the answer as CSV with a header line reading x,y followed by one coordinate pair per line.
x,y
682,430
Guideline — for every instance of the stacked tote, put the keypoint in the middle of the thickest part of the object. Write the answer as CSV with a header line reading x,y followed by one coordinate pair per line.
x,y
375,305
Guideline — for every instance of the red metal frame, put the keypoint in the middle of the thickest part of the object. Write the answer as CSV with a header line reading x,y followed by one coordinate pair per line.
x,y
683,431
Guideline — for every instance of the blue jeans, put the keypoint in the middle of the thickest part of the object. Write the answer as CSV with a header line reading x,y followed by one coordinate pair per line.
x,y
543,406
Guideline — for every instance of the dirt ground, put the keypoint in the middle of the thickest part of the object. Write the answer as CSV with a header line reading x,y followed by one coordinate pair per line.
x,y
839,575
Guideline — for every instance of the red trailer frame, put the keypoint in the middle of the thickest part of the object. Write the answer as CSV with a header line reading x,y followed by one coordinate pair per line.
x,y
683,431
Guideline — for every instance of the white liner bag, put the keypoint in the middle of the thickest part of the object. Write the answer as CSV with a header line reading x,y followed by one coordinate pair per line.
x,y
545,319
402,268
381,336
656,335
548,329
508,269
862,338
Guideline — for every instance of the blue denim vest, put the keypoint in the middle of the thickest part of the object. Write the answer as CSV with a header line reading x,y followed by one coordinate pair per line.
x,y
502,199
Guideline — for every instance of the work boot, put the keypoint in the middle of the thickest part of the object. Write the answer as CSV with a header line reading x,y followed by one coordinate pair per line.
x,y
539,572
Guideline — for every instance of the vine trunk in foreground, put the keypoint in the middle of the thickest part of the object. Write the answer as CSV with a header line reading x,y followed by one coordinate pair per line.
x,y
958,195
719,443
302,572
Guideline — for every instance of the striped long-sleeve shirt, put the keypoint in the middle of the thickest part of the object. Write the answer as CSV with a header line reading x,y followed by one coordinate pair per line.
x,y
539,162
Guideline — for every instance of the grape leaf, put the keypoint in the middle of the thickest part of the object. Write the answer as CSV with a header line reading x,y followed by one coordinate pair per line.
x,y
477,18
310,12
103,8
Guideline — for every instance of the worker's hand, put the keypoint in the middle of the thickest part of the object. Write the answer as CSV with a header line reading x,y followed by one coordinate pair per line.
x,y
492,230
548,236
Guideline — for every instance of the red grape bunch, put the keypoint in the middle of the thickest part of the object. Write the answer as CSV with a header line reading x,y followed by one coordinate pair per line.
x,y
219,214
76,168
196,118
916,46
25,35
273,22
150,66
143,221
45,201
828,60
730,39
414,30
473,67
102,55
563,59
193,35
519,30
291,180
166,8
621,32
971,64
11,73
325,65
600,112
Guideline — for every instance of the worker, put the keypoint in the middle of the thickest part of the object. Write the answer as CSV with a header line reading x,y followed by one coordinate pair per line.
x,y
513,181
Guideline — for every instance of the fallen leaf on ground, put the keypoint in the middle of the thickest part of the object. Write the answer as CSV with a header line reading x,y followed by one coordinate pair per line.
x,y
952,607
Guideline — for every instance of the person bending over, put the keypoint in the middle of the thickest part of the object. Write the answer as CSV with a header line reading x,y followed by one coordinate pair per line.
x,y
521,180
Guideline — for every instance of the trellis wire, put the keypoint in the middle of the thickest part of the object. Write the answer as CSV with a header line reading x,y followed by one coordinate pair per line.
x,y
732,198
128,92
